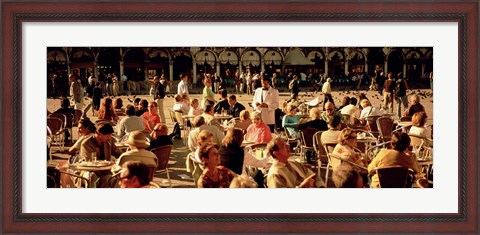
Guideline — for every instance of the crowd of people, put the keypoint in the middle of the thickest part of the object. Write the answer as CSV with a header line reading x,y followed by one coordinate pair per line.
x,y
217,146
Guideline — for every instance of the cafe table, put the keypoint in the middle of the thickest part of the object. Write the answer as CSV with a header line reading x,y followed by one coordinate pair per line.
x,y
222,117
99,168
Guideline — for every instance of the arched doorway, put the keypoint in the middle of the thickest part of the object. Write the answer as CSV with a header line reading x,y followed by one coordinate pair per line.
x,y
57,70
395,62
376,60
108,60
273,62
228,67
82,63
336,65
182,63
414,66
357,63
158,63
205,62
319,59
134,69
251,61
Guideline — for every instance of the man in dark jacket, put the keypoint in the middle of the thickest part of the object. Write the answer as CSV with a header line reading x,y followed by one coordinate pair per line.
x,y
235,107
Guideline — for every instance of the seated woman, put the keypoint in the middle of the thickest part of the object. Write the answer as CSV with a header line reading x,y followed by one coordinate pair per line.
x,y
393,157
314,122
213,176
203,138
419,120
135,174
86,128
258,131
233,156
244,121
290,121
151,118
347,141
118,105
106,111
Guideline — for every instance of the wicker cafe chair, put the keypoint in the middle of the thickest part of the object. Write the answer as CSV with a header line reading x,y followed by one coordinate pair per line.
x,y
385,128
56,131
372,124
322,157
307,142
395,176
163,155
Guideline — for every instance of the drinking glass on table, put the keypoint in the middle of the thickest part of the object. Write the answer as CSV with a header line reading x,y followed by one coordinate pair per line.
x,y
94,158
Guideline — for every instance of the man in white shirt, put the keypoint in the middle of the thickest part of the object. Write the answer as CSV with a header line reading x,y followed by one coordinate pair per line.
x,y
289,174
327,91
351,109
265,101
200,125
183,85
368,110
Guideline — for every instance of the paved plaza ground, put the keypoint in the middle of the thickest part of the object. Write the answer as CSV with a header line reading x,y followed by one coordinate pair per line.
x,y
182,179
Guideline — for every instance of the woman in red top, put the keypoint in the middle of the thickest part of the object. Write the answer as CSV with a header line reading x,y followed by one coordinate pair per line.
x,y
258,131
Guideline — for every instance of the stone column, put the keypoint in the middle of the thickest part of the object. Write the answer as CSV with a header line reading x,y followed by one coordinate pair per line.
x,y
347,62
404,69
385,67
194,65
170,69
122,68
326,68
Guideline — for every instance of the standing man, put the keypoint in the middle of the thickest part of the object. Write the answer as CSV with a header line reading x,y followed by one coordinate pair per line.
x,y
159,96
293,86
123,84
265,101
401,94
76,92
327,91
183,86
388,88
115,84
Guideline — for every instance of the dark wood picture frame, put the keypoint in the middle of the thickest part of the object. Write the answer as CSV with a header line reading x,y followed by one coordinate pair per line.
x,y
14,13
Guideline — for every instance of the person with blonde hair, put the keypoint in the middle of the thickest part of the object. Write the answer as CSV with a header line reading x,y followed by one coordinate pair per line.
x,y
258,131
290,121
368,110
203,138
345,149
314,122
244,120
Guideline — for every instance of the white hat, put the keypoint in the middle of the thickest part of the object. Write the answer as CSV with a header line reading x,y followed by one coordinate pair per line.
x,y
137,139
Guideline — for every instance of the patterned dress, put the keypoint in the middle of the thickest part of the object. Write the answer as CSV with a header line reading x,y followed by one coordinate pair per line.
x,y
225,176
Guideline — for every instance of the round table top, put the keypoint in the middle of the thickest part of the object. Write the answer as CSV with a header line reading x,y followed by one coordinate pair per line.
x,y
405,123
223,116
90,166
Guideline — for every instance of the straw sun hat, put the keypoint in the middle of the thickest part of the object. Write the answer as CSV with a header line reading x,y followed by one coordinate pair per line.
x,y
138,139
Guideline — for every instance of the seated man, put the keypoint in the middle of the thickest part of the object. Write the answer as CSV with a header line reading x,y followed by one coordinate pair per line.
x,y
130,123
102,146
223,103
200,125
137,143
351,109
235,108
314,122
329,112
413,106
135,174
368,110
209,118
65,107
347,177
160,137
194,110
101,143
289,174
180,105
143,107
331,135
86,128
